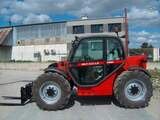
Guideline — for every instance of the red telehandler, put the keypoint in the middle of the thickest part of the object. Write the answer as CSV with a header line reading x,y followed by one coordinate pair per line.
x,y
96,66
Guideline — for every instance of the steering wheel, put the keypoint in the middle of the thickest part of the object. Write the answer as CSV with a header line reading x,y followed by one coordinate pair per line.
x,y
86,58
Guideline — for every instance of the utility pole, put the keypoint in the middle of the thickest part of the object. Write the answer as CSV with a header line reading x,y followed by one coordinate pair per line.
x,y
126,31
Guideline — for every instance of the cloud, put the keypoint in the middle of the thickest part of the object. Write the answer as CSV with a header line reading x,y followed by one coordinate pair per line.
x,y
94,8
4,11
142,17
16,18
137,38
91,8
30,18
143,33
33,18
136,13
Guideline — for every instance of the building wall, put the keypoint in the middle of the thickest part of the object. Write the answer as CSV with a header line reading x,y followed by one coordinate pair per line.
x,y
9,40
156,54
87,27
42,32
39,32
41,41
5,53
54,52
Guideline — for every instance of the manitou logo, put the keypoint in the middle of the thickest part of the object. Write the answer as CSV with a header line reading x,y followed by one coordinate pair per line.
x,y
99,63
90,63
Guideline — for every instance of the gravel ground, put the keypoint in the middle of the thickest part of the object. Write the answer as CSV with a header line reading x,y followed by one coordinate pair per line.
x,y
80,109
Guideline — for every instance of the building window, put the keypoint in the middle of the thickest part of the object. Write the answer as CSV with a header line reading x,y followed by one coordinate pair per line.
x,y
97,28
111,27
37,54
78,29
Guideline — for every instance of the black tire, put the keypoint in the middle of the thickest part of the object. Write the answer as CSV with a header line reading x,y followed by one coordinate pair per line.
x,y
62,85
126,79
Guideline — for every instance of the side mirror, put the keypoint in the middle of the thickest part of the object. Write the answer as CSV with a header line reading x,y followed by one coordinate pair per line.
x,y
116,30
75,42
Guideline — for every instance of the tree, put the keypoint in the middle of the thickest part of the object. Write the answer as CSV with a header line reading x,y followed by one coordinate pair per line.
x,y
146,45
150,46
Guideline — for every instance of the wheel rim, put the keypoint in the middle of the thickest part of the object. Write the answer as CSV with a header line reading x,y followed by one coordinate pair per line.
x,y
50,92
135,90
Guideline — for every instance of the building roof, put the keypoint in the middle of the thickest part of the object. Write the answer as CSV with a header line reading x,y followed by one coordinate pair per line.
x,y
58,22
3,34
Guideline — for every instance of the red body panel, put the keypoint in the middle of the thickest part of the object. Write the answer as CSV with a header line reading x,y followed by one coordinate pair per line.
x,y
105,87
139,61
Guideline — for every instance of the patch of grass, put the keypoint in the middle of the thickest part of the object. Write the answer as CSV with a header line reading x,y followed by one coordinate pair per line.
x,y
155,77
155,74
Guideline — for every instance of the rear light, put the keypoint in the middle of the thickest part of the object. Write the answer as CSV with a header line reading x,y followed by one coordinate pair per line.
x,y
144,61
62,63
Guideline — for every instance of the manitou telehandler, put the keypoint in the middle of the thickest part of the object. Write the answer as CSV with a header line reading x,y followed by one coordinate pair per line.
x,y
96,66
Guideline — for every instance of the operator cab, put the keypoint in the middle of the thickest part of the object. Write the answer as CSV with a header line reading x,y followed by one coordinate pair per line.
x,y
92,59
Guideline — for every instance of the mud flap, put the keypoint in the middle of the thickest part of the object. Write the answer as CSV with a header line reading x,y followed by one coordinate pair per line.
x,y
26,93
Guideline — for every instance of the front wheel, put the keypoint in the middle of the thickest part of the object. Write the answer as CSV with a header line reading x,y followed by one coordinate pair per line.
x,y
133,89
51,91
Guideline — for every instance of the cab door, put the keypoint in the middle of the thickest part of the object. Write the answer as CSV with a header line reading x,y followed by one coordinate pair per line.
x,y
114,55
87,64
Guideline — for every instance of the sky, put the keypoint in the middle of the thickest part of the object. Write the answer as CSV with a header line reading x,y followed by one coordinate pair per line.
x,y
143,15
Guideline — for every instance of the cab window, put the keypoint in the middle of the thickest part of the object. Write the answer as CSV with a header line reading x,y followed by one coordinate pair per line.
x,y
114,50
89,50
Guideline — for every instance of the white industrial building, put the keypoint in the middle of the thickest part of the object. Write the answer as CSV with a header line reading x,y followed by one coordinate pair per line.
x,y
51,41
156,54
54,52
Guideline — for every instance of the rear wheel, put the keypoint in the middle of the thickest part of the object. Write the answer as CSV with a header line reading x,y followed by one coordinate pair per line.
x,y
133,89
51,91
